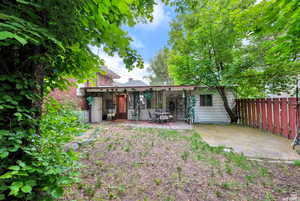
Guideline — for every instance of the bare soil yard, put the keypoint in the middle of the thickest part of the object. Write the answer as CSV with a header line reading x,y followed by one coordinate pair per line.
x,y
143,164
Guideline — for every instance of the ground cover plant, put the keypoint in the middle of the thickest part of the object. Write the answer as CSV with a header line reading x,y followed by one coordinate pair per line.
x,y
42,44
51,166
125,163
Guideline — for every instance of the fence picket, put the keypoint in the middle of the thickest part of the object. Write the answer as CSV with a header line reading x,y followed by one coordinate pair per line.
x,y
284,117
276,115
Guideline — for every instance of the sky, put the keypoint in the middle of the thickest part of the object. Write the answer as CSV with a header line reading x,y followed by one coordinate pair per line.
x,y
148,39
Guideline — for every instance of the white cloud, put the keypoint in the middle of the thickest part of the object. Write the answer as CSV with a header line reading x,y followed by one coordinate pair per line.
x,y
160,17
136,43
117,65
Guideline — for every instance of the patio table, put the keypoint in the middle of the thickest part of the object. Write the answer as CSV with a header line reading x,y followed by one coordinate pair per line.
x,y
162,116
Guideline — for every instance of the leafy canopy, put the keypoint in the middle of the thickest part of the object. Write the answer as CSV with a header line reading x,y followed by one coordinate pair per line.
x,y
205,43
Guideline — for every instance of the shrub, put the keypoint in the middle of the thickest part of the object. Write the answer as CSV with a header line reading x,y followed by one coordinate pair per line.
x,y
45,168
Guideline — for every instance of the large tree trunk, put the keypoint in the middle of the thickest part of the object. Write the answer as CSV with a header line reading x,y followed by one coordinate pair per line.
x,y
229,110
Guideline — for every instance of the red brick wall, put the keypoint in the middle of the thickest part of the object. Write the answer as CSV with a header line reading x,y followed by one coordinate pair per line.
x,y
69,95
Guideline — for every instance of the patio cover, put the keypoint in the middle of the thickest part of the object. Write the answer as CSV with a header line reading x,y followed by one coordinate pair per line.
x,y
140,88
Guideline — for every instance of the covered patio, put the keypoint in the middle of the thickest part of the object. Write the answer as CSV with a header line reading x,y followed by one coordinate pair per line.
x,y
143,103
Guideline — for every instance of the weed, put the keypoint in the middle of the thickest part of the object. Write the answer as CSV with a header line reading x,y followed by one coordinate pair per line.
x,y
157,181
169,198
179,172
239,159
100,163
127,149
228,169
250,178
185,155
89,191
219,194
269,197
98,183
229,185
263,171
121,189
297,163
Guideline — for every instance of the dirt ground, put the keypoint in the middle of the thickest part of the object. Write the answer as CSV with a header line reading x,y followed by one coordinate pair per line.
x,y
147,164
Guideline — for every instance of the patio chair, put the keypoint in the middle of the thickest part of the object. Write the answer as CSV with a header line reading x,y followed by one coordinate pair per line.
x,y
152,117
134,115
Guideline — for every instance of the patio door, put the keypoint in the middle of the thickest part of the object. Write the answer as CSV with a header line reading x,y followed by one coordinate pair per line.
x,y
121,107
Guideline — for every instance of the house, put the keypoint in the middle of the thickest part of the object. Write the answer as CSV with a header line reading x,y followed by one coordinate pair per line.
x,y
135,100
72,95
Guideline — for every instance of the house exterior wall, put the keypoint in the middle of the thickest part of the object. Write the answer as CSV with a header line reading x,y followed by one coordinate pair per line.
x,y
103,80
215,113
203,114
70,96
96,110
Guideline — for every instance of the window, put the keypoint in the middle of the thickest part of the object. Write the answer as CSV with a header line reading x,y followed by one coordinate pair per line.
x,y
206,100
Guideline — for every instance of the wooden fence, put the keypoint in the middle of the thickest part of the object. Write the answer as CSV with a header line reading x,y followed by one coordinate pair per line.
x,y
277,115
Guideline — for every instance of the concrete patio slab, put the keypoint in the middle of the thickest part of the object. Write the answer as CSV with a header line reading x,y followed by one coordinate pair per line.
x,y
249,141
178,125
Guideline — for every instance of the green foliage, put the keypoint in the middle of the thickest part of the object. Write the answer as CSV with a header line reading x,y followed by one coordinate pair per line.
x,y
159,69
42,42
205,42
297,163
248,44
45,167
205,46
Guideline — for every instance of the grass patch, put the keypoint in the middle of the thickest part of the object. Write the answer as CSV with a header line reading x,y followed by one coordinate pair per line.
x,y
297,163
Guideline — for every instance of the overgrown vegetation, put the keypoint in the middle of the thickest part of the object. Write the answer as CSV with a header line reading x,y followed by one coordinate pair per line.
x,y
47,167
42,42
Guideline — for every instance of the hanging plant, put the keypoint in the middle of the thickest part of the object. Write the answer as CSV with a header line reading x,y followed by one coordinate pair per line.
x,y
90,100
148,95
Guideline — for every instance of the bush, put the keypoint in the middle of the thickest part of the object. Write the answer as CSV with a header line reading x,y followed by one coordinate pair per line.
x,y
45,168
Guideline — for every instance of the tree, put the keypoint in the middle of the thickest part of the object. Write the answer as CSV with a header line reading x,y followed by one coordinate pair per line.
x,y
278,30
205,41
158,69
41,43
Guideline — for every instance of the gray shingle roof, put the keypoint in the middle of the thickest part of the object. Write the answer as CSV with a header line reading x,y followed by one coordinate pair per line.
x,y
132,82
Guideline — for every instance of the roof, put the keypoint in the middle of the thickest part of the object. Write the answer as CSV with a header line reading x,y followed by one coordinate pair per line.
x,y
109,72
140,88
132,82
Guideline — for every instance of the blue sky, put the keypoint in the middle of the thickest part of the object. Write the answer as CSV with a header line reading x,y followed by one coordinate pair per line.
x,y
148,39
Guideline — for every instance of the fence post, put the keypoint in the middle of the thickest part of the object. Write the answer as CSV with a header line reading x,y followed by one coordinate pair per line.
x,y
292,117
253,108
249,112
284,117
258,114
238,110
264,114
244,112
277,126
270,114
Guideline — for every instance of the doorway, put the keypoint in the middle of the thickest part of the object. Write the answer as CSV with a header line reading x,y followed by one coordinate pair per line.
x,y
121,107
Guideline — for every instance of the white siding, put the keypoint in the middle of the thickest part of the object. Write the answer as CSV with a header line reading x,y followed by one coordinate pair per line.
x,y
96,110
215,113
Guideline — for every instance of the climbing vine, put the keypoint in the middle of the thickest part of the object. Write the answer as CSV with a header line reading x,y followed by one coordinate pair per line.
x,y
43,42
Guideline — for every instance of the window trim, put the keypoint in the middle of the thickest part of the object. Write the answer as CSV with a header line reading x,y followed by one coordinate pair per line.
x,y
205,100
